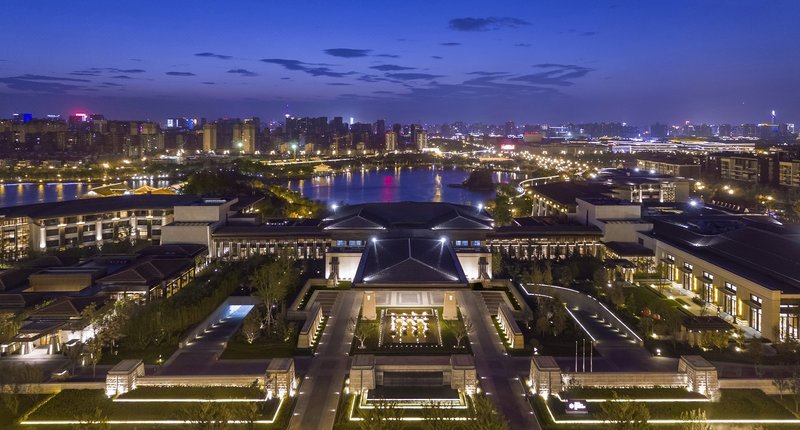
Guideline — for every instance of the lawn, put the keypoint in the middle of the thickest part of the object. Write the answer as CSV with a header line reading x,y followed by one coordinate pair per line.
x,y
78,404
194,393
262,347
352,401
26,402
633,393
150,355
733,404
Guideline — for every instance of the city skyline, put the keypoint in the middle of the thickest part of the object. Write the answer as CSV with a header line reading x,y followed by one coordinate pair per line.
x,y
627,62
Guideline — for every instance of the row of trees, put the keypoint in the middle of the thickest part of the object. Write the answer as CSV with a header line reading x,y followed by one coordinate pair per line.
x,y
13,377
164,321
564,272
386,415
272,282
277,201
623,414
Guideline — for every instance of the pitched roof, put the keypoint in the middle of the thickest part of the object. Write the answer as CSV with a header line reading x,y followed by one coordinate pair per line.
x,y
765,254
416,215
97,205
409,260
66,308
148,271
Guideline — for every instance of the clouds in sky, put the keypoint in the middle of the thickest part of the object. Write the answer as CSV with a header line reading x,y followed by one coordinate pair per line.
x,y
347,52
213,55
243,72
486,24
313,69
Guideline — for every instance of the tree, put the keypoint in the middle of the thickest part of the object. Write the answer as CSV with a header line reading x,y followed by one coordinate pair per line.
x,y
74,354
95,349
94,419
248,413
566,276
271,283
8,327
13,377
781,384
251,326
207,415
624,415
695,420
434,416
543,326
362,331
460,331
384,416
794,387
617,294
560,318
547,274
485,416
600,277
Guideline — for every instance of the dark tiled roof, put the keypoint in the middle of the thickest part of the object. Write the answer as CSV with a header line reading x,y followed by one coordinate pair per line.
x,y
409,215
96,205
565,193
629,249
765,254
149,271
189,250
269,231
543,226
405,261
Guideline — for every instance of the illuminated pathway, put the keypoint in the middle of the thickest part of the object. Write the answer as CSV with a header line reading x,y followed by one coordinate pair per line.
x,y
495,368
319,392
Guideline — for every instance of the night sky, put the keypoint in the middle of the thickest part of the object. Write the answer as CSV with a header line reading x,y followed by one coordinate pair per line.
x,y
428,61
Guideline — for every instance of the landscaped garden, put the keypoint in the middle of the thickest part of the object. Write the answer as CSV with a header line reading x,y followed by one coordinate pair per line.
x,y
424,332
649,404
265,331
93,407
442,411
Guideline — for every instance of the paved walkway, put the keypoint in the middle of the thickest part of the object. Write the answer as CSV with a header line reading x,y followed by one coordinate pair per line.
x,y
201,354
496,369
319,392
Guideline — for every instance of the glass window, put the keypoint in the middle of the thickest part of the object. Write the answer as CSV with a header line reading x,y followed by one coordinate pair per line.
x,y
755,318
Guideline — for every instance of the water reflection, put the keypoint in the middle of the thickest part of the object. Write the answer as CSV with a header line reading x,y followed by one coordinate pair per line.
x,y
394,184
29,193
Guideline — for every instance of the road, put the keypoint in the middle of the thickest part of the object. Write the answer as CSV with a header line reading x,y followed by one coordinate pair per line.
x,y
319,392
496,369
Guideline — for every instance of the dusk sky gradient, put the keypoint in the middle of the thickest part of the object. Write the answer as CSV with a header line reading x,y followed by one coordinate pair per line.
x,y
425,61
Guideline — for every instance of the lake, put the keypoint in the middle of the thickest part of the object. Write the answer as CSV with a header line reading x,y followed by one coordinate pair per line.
x,y
423,183
429,184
